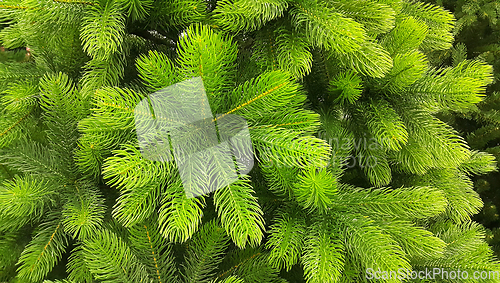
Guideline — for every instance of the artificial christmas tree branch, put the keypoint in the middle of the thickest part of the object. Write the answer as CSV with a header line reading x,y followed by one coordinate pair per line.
x,y
327,156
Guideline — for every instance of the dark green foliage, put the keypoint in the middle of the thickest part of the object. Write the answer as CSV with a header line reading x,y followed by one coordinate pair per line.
x,y
476,33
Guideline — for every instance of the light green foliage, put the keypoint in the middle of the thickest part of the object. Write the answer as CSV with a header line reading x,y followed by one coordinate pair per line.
x,y
339,138
18,107
165,15
465,238
274,90
84,215
348,85
328,29
179,216
370,156
370,60
110,23
280,180
407,35
458,189
293,52
361,214
137,9
63,107
338,27
386,126
16,72
138,199
25,199
416,242
43,252
231,279
76,268
20,97
155,251
286,240
240,213
106,128
127,163
437,144
208,55
353,167
102,72
323,258
110,259
479,163
156,70
410,203
315,188
372,247
406,70
205,253
376,17
146,255
113,110
237,15
33,158
458,87
282,146
251,265
439,21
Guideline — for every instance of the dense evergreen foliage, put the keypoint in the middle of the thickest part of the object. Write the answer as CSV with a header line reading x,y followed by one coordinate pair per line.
x,y
354,169
477,36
